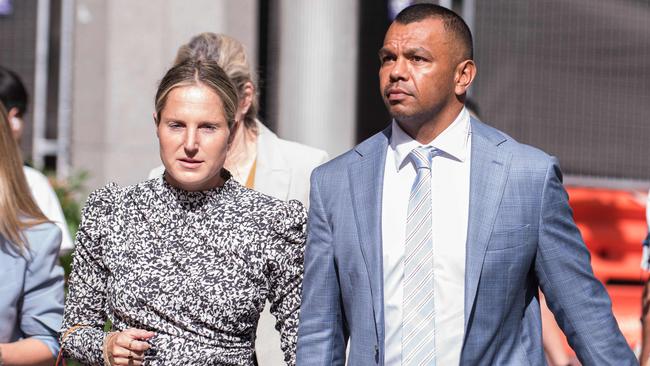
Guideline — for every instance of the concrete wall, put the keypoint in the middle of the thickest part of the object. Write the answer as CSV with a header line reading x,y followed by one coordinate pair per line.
x,y
122,50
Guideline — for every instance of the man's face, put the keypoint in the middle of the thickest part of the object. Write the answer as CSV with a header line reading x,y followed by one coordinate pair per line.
x,y
417,70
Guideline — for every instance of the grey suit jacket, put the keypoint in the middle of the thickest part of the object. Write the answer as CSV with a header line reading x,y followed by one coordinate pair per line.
x,y
521,237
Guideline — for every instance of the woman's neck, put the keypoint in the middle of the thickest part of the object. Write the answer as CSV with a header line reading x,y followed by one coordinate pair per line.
x,y
242,153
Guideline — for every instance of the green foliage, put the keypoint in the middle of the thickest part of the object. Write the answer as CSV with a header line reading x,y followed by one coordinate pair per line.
x,y
70,194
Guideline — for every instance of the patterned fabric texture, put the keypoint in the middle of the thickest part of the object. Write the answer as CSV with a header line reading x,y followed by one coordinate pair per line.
x,y
193,267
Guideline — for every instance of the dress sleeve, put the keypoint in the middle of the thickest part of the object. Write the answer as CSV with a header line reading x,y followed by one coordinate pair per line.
x,y
85,306
42,303
286,254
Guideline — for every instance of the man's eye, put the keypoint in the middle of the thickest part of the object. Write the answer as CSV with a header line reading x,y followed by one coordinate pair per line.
x,y
175,125
386,59
418,59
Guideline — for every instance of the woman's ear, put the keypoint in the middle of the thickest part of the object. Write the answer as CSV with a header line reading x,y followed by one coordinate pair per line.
x,y
234,129
156,122
246,98
16,123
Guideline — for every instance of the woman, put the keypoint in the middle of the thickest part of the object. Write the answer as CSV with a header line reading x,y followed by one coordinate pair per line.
x,y
182,265
13,95
257,158
31,290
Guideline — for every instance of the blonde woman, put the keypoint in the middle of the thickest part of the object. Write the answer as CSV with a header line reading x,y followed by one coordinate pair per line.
x,y
31,289
257,157
182,264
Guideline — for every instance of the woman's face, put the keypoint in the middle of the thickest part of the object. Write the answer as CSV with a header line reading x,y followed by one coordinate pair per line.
x,y
194,137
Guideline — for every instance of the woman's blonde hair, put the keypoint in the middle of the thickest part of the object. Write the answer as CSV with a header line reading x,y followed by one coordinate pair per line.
x,y
201,72
18,210
229,54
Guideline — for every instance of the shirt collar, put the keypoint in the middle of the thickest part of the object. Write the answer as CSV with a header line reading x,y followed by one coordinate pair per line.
x,y
453,141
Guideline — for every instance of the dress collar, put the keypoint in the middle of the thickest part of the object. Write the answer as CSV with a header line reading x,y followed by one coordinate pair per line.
x,y
195,199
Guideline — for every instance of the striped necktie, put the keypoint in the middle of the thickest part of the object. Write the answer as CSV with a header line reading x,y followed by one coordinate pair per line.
x,y
418,347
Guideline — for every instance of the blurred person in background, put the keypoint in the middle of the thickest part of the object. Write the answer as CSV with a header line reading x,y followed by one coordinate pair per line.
x,y
182,264
257,157
31,287
14,96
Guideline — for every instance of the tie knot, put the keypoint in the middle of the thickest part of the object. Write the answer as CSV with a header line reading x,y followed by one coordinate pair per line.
x,y
421,156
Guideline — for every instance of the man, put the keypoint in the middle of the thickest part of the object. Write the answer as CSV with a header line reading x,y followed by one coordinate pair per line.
x,y
428,241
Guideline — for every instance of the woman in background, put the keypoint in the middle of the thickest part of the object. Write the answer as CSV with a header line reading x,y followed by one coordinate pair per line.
x,y
182,264
15,98
31,286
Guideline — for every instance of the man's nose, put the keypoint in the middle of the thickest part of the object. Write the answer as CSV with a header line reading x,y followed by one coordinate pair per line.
x,y
399,70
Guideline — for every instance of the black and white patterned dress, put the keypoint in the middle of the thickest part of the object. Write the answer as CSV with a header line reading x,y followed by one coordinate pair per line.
x,y
193,267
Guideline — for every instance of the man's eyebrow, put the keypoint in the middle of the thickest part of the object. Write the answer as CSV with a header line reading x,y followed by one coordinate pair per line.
x,y
413,50
384,51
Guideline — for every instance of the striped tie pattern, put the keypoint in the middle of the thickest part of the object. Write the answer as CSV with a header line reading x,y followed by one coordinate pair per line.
x,y
418,347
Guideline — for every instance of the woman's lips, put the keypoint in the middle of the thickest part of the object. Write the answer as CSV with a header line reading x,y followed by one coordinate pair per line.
x,y
190,163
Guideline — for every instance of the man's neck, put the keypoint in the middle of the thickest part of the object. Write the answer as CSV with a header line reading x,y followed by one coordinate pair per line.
x,y
427,130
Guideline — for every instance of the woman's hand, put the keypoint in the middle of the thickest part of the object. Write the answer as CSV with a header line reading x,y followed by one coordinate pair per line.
x,y
126,347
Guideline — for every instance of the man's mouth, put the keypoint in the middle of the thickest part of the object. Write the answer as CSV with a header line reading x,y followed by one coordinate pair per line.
x,y
396,94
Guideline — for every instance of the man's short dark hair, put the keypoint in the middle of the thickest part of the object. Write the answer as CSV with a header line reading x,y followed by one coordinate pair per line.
x,y
12,91
452,22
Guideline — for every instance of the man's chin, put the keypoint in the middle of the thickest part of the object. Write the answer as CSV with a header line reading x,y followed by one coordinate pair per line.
x,y
401,115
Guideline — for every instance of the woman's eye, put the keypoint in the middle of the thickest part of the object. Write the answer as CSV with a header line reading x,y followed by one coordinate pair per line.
x,y
209,128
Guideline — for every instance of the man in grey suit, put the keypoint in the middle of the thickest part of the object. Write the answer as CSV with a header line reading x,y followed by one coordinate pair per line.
x,y
427,243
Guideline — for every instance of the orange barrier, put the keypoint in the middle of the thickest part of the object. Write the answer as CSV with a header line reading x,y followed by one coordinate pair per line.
x,y
613,226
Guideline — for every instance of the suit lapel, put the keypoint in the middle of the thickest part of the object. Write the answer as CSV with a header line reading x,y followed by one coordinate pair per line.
x,y
489,172
366,185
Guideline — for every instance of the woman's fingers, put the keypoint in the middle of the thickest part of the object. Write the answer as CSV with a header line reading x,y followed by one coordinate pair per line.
x,y
127,348
125,353
126,361
136,333
132,344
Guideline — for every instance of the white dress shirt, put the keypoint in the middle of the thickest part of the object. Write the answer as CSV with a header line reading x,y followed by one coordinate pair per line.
x,y
450,174
47,201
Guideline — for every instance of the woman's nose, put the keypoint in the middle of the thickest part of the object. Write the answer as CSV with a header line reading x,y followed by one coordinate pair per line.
x,y
191,143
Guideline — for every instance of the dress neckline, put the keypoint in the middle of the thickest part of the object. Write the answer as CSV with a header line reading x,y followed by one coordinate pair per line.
x,y
190,200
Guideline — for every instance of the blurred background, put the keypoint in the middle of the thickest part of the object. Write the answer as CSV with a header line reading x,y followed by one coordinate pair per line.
x,y
568,76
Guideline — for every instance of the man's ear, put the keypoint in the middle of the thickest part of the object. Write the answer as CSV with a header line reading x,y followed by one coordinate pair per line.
x,y
464,76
